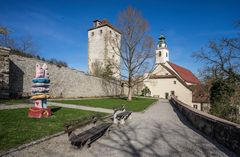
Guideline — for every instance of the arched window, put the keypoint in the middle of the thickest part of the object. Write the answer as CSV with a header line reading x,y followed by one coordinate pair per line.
x,y
159,54
166,54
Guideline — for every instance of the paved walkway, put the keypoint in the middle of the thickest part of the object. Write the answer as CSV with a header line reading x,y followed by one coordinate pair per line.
x,y
95,109
157,132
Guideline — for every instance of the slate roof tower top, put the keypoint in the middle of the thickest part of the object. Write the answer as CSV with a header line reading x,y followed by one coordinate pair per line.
x,y
162,53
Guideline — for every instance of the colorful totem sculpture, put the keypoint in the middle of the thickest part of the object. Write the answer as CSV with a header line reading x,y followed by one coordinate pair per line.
x,y
40,91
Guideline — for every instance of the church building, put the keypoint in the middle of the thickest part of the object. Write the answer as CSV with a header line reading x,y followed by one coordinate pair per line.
x,y
171,79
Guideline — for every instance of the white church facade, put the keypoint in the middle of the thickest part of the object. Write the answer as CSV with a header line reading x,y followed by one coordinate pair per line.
x,y
171,79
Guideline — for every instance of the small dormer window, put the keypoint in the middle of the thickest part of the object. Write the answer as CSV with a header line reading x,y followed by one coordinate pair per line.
x,y
159,54
92,33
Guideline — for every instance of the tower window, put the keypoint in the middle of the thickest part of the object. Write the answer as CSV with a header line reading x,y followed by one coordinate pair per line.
x,y
166,54
159,54
92,33
100,31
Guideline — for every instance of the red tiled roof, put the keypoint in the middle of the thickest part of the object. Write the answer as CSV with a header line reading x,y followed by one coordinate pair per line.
x,y
105,23
185,74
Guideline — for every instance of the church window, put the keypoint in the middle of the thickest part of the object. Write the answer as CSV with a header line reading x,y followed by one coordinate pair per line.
x,y
92,33
159,53
110,32
100,31
175,82
195,106
173,92
166,54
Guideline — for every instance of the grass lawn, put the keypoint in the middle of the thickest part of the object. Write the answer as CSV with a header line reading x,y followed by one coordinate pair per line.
x,y
136,105
13,101
16,128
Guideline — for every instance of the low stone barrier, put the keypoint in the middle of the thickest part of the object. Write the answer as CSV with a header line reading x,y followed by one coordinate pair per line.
x,y
220,130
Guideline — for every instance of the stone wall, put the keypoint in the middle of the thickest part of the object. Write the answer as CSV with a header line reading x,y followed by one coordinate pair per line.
x,y
65,82
220,130
4,72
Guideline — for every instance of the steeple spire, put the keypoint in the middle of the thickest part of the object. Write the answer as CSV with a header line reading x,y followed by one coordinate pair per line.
x,y
162,54
162,43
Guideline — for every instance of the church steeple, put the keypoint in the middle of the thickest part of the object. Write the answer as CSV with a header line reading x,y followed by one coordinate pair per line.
x,y
162,43
162,54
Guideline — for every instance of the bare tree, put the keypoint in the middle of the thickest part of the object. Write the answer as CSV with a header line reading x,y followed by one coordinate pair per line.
x,y
222,58
5,39
135,48
26,44
222,76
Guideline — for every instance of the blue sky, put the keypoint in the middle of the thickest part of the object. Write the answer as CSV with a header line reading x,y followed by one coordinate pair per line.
x,y
60,27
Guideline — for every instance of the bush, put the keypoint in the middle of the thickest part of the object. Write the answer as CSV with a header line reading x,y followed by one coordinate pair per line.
x,y
146,92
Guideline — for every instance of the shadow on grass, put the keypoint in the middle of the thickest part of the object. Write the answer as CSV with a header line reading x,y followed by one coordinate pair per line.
x,y
55,109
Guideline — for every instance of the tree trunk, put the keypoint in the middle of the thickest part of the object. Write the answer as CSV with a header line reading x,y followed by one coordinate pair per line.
x,y
130,92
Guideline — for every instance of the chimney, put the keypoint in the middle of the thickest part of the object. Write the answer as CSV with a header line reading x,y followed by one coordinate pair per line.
x,y
96,23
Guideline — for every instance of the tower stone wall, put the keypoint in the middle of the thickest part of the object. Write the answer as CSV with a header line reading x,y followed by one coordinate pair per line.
x,y
103,46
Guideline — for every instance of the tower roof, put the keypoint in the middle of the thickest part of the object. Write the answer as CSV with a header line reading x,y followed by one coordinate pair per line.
x,y
161,42
104,23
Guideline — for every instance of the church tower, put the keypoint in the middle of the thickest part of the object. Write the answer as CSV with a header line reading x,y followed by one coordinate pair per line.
x,y
101,50
162,53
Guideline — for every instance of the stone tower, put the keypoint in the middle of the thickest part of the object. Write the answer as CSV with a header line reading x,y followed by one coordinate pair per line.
x,y
162,53
103,43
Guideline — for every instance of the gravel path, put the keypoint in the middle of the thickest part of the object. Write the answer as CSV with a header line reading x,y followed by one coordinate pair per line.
x,y
96,109
3,107
159,131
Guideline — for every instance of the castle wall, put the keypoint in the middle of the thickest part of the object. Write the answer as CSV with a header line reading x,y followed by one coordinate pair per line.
x,y
4,72
65,82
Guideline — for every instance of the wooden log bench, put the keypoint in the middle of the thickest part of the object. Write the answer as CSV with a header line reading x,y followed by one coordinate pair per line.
x,y
87,137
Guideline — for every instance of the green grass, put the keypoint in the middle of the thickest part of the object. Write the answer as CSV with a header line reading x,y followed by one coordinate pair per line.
x,y
13,101
16,128
136,105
